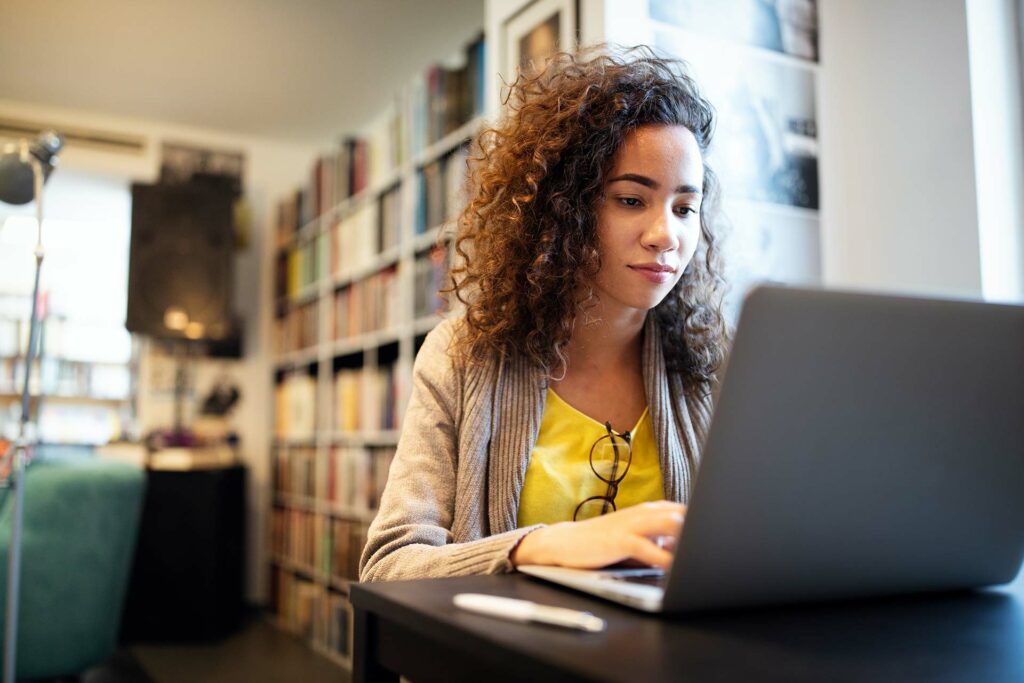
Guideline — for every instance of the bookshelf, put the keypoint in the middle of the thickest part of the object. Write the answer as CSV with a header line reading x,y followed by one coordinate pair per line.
x,y
360,253
76,397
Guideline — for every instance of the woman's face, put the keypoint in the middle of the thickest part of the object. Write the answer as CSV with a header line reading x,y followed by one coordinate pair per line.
x,y
648,219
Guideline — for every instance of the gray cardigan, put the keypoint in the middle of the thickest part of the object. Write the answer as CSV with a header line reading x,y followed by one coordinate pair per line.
x,y
452,497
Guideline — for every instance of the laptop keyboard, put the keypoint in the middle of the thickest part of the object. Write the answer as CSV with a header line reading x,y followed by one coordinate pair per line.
x,y
647,576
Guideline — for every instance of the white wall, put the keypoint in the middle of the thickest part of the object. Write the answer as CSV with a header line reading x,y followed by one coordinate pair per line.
x,y
899,200
272,169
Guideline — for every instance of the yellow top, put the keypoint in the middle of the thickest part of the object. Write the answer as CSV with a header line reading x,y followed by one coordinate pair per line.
x,y
559,476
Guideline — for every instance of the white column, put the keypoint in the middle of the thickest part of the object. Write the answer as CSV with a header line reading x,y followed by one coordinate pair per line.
x,y
899,197
995,63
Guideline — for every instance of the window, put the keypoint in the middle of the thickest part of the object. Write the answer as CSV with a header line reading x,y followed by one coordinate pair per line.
x,y
85,372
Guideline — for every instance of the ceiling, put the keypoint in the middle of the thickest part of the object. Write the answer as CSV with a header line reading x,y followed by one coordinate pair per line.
x,y
302,70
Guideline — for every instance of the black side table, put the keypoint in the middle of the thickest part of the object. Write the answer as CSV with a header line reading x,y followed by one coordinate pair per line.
x,y
188,580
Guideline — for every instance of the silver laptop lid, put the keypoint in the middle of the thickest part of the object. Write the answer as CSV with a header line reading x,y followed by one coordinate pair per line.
x,y
861,445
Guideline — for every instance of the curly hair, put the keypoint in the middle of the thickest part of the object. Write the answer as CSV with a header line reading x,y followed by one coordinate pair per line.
x,y
527,240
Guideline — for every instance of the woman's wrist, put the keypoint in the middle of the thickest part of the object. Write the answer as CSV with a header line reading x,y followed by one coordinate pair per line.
x,y
530,549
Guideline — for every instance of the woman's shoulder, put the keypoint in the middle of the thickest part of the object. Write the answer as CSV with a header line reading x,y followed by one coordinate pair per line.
x,y
442,348
447,351
440,340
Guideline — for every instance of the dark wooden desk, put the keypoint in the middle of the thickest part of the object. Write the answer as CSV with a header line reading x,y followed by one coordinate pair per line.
x,y
412,628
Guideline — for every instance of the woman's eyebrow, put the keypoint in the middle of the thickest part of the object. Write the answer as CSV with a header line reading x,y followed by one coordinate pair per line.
x,y
653,184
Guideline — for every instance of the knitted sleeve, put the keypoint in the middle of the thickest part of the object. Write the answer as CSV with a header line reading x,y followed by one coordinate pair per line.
x,y
411,536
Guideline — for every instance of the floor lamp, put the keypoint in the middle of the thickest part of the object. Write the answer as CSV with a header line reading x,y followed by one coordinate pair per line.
x,y
24,169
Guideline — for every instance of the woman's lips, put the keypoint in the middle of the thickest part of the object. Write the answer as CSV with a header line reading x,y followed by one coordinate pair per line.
x,y
659,275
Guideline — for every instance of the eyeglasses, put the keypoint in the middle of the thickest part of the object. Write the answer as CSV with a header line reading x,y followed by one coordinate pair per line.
x,y
610,458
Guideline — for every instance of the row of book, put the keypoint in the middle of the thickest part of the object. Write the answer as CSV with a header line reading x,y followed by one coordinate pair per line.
x,y
335,177
313,611
354,239
300,266
366,399
334,618
353,477
449,95
293,212
71,379
347,169
294,598
296,534
442,190
295,406
351,242
297,329
356,477
367,305
346,542
435,104
323,545
376,227
295,471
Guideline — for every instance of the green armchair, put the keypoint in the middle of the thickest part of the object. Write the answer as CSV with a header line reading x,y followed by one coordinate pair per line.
x,y
81,518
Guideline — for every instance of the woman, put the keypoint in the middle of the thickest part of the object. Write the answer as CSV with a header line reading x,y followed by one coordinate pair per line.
x,y
559,420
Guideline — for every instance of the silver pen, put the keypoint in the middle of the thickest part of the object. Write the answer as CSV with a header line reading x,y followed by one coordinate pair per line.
x,y
525,611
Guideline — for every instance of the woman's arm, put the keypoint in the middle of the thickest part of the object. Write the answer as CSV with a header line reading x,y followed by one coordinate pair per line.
x,y
411,537
634,533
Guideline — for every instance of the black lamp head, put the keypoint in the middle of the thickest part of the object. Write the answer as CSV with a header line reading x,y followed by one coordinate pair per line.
x,y
17,180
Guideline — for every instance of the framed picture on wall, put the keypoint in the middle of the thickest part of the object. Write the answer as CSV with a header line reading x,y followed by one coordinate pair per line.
x,y
767,244
537,31
766,137
786,26
179,163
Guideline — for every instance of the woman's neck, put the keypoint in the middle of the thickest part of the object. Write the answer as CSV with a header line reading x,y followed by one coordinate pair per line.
x,y
605,340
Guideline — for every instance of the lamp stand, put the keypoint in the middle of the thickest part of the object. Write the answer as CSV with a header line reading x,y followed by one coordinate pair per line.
x,y
19,452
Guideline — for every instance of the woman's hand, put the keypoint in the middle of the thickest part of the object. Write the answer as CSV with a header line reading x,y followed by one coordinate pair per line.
x,y
627,534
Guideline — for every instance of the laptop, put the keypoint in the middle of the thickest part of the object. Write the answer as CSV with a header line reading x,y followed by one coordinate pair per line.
x,y
861,445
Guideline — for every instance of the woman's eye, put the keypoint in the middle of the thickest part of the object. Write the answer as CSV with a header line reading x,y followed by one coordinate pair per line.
x,y
632,202
684,211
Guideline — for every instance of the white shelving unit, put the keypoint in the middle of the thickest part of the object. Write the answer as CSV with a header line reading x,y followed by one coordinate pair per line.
x,y
395,344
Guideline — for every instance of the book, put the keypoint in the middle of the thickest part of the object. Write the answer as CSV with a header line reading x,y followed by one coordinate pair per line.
x,y
354,240
295,406
430,209
390,220
347,386
454,178
431,270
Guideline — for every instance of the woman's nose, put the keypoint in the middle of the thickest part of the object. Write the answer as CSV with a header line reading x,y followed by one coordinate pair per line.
x,y
658,232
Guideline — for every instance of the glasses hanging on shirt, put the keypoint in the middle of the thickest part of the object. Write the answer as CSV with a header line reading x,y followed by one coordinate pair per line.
x,y
610,458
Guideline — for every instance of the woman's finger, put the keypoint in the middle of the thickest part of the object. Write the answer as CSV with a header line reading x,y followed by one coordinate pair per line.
x,y
645,551
658,523
660,505
665,542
